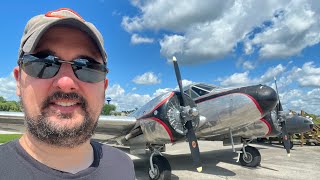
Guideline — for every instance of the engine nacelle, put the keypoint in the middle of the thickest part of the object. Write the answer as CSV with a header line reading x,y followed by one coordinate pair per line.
x,y
160,119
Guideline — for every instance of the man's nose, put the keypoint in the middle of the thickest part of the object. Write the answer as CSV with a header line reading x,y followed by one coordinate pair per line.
x,y
65,80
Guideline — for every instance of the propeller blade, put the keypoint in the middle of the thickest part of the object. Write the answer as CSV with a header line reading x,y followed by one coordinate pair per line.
x,y
193,145
284,132
179,80
285,138
192,139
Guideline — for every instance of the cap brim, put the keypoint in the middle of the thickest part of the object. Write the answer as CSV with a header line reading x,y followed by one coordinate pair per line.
x,y
32,42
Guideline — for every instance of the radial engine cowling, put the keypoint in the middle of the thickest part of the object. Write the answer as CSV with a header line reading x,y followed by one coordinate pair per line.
x,y
161,121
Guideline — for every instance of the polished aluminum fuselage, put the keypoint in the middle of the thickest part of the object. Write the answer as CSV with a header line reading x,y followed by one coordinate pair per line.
x,y
231,111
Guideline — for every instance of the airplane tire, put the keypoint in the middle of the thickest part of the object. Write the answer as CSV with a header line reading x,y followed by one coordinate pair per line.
x,y
253,157
162,167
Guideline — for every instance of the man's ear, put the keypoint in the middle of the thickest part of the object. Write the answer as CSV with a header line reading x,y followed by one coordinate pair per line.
x,y
106,84
16,74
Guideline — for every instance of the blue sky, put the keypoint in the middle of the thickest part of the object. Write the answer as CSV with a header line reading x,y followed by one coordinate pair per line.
x,y
226,43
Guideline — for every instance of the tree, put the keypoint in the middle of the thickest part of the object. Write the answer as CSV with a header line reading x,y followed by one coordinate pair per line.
x,y
9,105
107,108
2,99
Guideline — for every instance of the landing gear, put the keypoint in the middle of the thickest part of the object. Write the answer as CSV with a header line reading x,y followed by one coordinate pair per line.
x,y
250,157
159,167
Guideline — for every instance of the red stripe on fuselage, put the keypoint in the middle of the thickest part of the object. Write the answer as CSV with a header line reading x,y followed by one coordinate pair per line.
x,y
267,123
255,102
165,127
162,102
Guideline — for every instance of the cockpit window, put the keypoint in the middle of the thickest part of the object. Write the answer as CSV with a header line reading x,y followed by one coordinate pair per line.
x,y
191,93
205,86
200,91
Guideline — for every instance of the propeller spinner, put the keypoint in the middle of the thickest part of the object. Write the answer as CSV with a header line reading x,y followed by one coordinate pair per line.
x,y
187,115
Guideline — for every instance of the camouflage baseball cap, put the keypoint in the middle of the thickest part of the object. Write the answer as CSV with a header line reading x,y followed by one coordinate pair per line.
x,y
38,25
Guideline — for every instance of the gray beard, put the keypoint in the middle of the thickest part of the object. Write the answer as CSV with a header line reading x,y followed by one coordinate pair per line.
x,y
45,131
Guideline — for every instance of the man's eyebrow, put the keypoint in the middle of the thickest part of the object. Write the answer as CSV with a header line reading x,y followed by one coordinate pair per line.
x,y
91,59
46,51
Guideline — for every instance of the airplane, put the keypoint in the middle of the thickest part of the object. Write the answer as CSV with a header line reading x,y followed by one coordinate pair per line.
x,y
295,124
173,117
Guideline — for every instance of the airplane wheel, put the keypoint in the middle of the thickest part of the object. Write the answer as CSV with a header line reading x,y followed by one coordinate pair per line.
x,y
162,168
253,158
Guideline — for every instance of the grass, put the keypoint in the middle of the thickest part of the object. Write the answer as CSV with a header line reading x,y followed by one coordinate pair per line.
x,y
8,137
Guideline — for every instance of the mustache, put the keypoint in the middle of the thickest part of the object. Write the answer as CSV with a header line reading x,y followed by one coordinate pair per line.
x,y
59,95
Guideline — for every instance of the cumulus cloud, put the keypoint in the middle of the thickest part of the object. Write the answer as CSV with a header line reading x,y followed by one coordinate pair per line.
x,y
294,27
199,31
147,79
136,39
243,79
307,76
298,99
246,65
8,87
126,101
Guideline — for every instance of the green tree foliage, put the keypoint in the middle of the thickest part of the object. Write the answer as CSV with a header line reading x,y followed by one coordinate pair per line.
x,y
314,117
107,108
9,105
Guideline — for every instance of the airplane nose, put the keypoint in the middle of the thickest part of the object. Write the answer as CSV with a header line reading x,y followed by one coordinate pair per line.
x,y
265,96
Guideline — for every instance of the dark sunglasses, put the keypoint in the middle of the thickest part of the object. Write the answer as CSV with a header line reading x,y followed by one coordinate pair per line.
x,y
47,66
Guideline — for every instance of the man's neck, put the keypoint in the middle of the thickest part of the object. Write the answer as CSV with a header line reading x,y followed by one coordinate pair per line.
x,y
70,160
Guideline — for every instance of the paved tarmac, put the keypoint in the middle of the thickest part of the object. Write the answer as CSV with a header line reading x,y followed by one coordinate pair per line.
x,y
219,162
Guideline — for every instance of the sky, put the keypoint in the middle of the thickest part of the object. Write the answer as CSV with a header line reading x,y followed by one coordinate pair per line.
x,y
227,43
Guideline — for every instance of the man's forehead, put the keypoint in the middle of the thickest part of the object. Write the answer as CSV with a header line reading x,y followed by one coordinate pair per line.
x,y
67,35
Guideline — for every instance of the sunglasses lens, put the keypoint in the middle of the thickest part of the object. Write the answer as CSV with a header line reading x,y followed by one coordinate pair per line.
x,y
40,68
48,67
89,73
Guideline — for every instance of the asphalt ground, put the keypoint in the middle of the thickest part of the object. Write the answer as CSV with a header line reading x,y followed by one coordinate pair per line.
x,y
219,162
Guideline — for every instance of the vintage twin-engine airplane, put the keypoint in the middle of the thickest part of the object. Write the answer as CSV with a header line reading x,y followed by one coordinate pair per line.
x,y
201,112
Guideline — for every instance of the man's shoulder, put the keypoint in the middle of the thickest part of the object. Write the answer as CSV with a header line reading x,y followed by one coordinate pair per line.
x,y
7,147
111,152
114,162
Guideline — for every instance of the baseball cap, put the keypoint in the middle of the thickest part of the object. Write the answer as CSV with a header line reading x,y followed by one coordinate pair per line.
x,y
39,24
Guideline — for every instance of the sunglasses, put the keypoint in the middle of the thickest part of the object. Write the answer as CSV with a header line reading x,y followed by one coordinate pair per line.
x,y
47,66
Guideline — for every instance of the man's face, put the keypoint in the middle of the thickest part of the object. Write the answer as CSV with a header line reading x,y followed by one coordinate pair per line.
x,y
62,110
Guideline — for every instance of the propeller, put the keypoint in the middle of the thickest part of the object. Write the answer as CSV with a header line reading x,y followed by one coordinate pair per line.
x,y
284,132
187,114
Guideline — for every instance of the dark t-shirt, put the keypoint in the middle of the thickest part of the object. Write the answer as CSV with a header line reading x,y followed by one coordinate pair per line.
x,y
109,163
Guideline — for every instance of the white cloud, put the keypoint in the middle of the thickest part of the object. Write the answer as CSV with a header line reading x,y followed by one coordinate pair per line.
x,y
272,72
298,100
295,27
147,79
237,79
306,76
8,87
246,65
126,101
161,91
243,79
173,15
136,39
198,31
